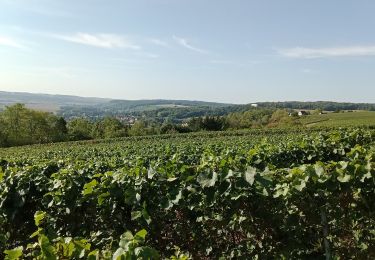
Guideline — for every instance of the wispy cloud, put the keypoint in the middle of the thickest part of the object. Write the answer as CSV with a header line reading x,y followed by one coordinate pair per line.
x,y
159,42
109,41
313,53
10,42
184,43
237,63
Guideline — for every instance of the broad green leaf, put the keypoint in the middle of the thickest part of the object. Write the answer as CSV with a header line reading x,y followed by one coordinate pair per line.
x,y
301,186
93,255
145,214
343,165
118,254
172,179
150,173
319,170
14,254
36,233
140,235
206,180
366,176
48,251
250,175
38,217
102,197
128,236
146,252
344,178
136,215
88,188
125,239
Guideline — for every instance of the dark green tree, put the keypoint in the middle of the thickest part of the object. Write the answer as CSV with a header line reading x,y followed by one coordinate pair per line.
x,y
80,129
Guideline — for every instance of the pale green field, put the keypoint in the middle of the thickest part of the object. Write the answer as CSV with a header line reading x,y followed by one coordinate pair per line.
x,y
356,118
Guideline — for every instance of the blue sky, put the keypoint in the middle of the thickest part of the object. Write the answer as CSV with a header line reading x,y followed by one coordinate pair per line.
x,y
237,51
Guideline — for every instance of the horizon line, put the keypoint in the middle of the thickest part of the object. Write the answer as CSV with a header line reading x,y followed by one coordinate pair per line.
x,y
179,99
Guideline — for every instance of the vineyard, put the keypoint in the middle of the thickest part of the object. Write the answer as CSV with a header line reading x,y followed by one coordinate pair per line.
x,y
254,194
348,119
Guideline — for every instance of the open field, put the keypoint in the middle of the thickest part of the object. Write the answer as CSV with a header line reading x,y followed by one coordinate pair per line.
x,y
246,194
347,119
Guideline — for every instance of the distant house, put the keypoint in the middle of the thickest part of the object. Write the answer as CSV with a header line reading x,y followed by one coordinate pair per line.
x,y
126,119
254,105
302,113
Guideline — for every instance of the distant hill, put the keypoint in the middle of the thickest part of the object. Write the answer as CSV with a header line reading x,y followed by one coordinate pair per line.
x,y
46,101
58,101
158,110
324,105
91,107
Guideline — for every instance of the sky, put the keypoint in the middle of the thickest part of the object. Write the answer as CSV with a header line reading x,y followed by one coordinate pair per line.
x,y
234,51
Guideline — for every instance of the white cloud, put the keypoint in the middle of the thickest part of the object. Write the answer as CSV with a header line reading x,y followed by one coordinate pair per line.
x,y
109,41
184,43
10,42
312,53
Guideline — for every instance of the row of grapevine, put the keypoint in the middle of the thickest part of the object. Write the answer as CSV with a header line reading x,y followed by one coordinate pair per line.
x,y
278,195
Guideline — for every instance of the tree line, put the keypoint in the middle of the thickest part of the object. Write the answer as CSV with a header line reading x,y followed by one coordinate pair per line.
x,y
21,126
324,105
